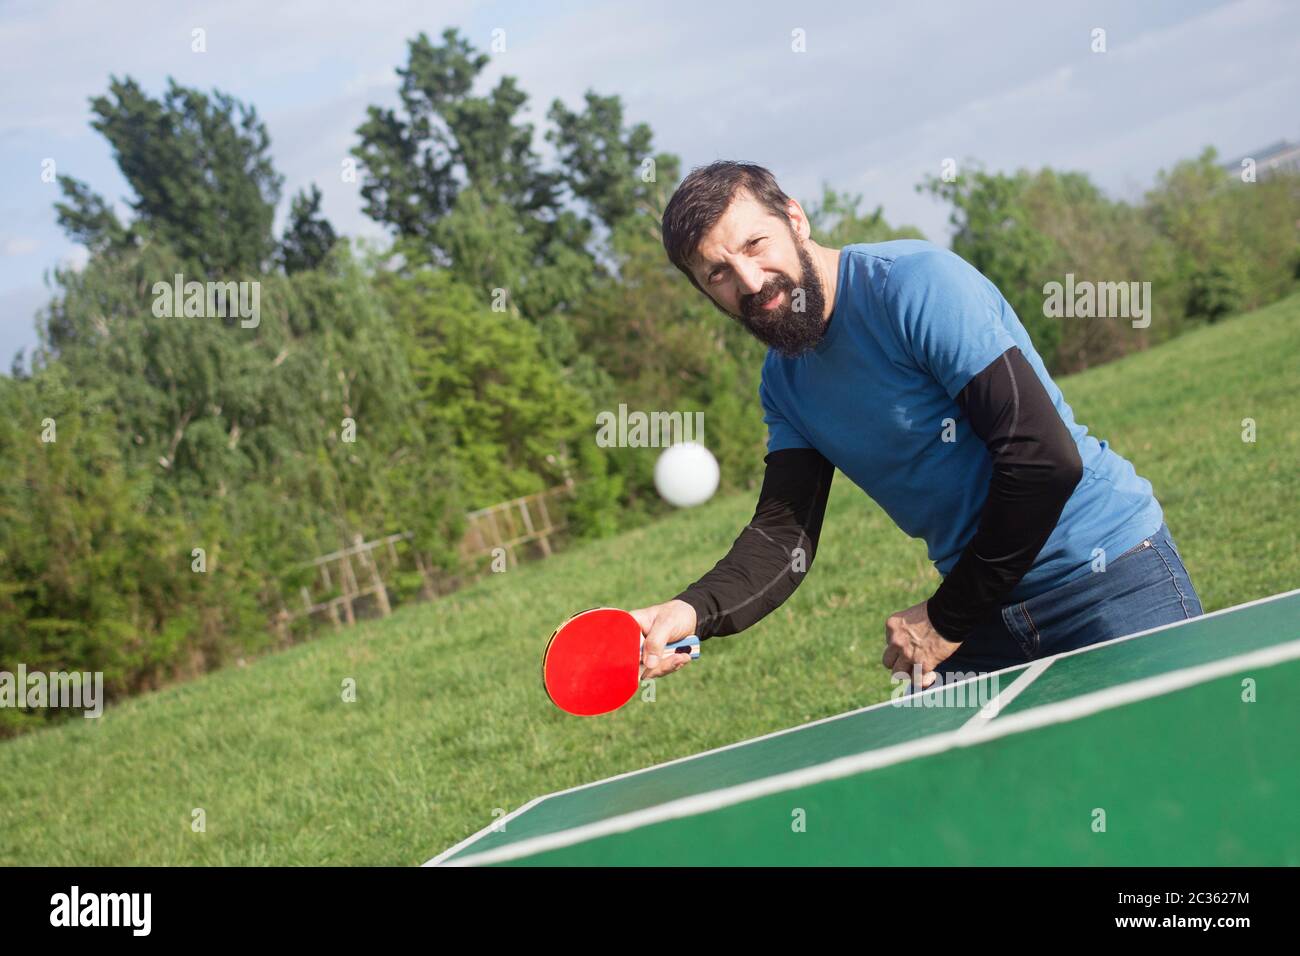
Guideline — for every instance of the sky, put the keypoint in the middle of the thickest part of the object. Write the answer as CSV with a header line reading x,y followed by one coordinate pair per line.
x,y
881,93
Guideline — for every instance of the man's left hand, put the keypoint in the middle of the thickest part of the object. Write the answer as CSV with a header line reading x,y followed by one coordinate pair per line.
x,y
913,646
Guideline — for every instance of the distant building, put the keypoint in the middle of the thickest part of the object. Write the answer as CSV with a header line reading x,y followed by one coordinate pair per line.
x,y
1281,157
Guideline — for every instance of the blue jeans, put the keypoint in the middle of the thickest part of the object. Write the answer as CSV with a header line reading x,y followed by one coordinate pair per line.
x,y
1144,587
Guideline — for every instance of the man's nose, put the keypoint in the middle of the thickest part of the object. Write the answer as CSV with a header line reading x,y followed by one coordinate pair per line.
x,y
750,277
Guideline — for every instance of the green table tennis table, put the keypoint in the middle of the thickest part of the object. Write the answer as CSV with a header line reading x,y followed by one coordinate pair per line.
x,y
1178,746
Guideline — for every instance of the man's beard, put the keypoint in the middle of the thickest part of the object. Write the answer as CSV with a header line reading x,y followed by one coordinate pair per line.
x,y
791,332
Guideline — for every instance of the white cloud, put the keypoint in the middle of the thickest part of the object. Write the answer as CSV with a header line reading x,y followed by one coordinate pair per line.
x,y
18,246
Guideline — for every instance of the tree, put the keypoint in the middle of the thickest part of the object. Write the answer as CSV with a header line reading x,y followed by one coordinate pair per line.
x,y
201,173
835,221
1233,244
90,578
455,177
309,237
507,419
416,164
88,219
614,170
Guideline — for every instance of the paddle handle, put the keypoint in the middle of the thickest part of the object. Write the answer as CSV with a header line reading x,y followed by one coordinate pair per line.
x,y
692,643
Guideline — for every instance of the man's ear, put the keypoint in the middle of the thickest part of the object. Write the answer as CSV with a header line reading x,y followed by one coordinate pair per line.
x,y
797,220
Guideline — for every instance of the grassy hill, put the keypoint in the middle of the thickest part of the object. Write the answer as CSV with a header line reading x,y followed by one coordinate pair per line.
x,y
451,725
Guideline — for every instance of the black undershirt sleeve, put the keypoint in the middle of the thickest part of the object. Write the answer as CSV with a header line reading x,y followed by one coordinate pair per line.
x,y
1036,467
774,551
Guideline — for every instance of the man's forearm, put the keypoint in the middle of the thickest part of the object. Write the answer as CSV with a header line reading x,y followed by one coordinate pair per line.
x,y
1036,467
772,554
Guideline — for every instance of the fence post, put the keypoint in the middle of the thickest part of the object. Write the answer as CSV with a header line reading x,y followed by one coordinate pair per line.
x,y
368,560
542,539
426,588
349,586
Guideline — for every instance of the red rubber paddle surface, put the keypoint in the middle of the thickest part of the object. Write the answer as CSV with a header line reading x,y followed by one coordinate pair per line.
x,y
593,661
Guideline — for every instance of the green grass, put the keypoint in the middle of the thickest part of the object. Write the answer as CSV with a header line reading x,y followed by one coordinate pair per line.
x,y
451,723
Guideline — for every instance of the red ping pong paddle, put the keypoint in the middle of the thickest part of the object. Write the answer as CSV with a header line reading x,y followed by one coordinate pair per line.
x,y
592,663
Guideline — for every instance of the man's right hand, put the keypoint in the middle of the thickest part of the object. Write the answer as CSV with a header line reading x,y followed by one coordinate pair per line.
x,y
662,624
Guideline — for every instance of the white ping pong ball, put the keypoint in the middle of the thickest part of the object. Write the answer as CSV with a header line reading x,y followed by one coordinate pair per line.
x,y
686,474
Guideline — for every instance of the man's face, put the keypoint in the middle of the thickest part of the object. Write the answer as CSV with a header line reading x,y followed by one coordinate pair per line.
x,y
754,266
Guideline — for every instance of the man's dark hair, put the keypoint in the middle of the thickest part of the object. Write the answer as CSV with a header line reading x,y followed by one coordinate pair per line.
x,y
704,196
